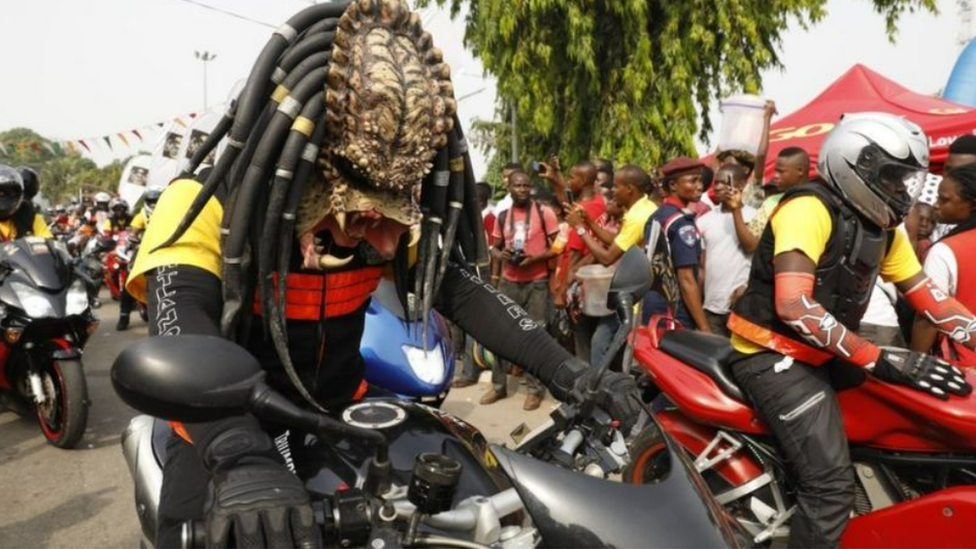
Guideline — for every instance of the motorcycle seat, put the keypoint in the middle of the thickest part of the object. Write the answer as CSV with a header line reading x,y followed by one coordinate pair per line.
x,y
707,353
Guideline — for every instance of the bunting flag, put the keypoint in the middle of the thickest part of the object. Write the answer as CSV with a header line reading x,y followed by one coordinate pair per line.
x,y
73,146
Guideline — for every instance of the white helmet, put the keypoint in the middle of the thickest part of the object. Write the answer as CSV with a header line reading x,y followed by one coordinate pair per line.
x,y
101,199
877,162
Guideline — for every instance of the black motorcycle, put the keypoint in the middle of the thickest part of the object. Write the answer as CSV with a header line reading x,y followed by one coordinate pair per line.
x,y
387,473
45,321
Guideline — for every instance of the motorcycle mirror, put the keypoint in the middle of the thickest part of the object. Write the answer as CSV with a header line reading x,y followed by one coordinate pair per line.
x,y
186,378
633,275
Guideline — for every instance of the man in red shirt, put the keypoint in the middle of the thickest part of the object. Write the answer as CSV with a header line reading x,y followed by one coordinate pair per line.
x,y
581,188
520,270
487,216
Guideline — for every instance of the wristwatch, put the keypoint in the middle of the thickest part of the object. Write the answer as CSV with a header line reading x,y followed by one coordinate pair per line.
x,y
581,230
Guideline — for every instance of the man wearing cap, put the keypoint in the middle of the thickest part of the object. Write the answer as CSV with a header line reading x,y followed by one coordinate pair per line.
x,y
680,243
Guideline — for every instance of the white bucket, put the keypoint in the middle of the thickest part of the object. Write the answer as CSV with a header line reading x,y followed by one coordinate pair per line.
x,y
742,123
594,285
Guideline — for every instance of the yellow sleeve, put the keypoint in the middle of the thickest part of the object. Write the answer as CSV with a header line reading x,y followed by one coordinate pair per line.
x,y
198,247
40,227
901,263
632,230
139,221
802,224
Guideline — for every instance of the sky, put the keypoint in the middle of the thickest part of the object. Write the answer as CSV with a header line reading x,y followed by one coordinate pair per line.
x,y
76,69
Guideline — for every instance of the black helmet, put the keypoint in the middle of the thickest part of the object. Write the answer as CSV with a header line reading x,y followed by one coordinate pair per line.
x,y
31,182
11,191
149,201
152,196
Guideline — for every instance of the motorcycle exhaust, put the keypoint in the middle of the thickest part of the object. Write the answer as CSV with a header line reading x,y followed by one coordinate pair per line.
x,y
147,475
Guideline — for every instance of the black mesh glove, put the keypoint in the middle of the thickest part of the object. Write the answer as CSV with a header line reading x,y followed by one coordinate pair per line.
x,y
259,503
922,372
615,391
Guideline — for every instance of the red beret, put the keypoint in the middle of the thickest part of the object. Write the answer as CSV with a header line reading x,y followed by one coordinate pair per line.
x,y
680,165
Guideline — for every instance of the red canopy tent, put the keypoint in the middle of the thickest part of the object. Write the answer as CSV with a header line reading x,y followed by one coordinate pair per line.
x,y
860,90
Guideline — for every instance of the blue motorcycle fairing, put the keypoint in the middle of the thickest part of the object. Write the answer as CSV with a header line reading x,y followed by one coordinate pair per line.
x,y
385,335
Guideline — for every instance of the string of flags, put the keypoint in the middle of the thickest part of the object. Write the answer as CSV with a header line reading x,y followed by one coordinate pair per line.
x,y
127,139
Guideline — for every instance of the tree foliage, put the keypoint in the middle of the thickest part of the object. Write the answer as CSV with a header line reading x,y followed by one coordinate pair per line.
x,y
63,175
627,79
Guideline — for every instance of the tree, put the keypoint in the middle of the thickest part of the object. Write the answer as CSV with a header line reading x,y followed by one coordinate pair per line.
x,y
626,79
63,175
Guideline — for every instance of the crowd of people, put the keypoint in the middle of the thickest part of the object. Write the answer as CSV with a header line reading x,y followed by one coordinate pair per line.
x,y
781,279
706,217
91,226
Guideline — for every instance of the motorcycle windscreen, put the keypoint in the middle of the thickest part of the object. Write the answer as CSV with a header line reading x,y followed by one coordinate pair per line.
x,y
575,510
37,260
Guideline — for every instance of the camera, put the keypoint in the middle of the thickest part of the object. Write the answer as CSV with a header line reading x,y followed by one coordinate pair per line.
x,y
535,166
517,257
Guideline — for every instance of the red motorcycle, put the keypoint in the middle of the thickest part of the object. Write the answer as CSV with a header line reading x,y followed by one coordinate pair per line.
x,y
118,262
914,455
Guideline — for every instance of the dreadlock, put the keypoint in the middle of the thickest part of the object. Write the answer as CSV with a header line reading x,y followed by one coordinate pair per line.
x,y
274,132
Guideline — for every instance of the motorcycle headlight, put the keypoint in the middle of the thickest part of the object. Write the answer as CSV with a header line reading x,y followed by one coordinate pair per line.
x,y
34,304
77,299
428,365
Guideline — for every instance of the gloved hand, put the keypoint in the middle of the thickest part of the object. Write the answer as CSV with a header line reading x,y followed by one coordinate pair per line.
x,y
259,503
922,372
615,391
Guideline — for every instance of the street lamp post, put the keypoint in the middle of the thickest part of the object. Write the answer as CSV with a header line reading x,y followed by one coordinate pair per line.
x,y
206,57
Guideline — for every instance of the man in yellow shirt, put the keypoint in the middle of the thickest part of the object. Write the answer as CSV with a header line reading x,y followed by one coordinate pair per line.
x,y
810,283
630,187
149,200
11,198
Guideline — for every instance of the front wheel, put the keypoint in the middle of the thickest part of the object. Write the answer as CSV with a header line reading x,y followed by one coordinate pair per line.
x,y
63,415
650,461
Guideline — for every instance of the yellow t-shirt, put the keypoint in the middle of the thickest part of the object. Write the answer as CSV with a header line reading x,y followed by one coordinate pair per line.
x,y
803,224
139,221
198,247
9,232
632,228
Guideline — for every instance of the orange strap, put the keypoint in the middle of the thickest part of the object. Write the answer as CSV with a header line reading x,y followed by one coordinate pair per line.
x,y
181,431
764,337
317,296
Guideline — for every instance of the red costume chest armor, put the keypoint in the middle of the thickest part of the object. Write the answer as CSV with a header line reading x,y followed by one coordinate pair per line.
x,y
329,295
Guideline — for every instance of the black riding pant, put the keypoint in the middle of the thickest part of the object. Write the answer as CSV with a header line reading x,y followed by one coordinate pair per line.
x,y
798,403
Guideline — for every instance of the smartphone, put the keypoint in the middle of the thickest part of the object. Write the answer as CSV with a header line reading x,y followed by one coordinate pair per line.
x,y
569,197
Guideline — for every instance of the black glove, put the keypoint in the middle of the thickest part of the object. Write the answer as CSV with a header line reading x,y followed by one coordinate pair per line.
x,y
259,503
615,391
253,500
922,372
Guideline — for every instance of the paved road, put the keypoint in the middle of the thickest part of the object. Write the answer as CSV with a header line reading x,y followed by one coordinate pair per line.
x,y
83,497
